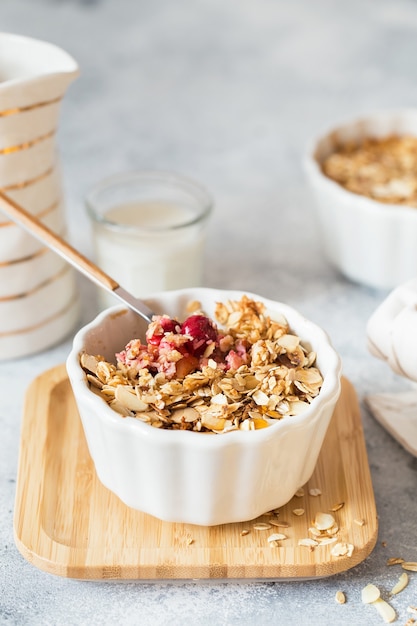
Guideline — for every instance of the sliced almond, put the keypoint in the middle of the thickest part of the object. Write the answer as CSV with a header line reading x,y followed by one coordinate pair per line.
x,y
327,540
359,522
412,609
323,521
385,610
309,543
289,342
126,395
262,526
277,537
244,532
299,493
120,408
219,398
314,492
211,422
187,414
89,362
340,597
298,407
260,398
395,560
370,594
93,380
234,318
401,584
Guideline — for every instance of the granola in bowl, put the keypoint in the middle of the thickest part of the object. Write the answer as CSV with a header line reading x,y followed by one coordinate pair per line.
x,y
242,371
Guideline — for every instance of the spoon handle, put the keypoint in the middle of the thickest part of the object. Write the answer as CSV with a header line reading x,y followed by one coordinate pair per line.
x,y
70,254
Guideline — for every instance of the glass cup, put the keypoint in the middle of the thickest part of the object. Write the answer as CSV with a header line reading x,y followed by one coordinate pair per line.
x,y
149,231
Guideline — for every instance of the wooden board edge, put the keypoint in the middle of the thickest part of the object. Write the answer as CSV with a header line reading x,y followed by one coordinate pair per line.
x,y
157,572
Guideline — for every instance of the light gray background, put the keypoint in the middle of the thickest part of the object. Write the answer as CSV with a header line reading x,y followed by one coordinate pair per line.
x,y
228,92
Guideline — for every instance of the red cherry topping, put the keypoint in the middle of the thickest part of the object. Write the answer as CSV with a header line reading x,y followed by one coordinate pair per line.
x,y
201,330
166,324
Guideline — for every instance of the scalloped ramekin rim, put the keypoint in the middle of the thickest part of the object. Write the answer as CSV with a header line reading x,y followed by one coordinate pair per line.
x,y
330,388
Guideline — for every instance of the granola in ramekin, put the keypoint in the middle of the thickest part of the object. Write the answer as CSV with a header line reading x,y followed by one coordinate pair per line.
x,y
243,371
384,169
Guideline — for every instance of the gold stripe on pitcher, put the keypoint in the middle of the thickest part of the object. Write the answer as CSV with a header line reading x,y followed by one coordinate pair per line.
x,y
30,107
41,285
30,181
39,215
23,259
27,144
48,320
29,257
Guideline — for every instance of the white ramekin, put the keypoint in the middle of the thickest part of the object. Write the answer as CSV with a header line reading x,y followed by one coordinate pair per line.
x,y
370,242
183,476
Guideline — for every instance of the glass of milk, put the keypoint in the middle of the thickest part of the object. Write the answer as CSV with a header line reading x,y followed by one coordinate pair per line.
x,y
148,231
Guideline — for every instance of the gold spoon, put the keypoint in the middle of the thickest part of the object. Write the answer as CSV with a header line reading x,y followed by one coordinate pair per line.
x,y
70,254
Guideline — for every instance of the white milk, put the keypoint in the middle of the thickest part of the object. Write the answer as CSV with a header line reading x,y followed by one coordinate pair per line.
x,y
149,246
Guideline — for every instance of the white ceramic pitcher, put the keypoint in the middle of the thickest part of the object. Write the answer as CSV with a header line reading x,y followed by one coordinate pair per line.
x,y
38,297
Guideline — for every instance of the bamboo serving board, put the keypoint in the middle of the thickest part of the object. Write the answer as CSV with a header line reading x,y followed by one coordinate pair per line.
x,y
67,523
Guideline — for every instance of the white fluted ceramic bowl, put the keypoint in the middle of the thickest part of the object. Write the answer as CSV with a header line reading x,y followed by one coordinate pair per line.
x,y
183,476
370,242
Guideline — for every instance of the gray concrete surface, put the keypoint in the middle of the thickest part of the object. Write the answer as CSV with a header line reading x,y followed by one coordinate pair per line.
x,y
229,93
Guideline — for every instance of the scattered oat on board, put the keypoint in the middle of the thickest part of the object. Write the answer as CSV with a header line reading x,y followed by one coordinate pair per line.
x,y
324,521
279,380
298,512
280,524
342,549
308,543
262,526
277,537
337,507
